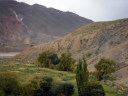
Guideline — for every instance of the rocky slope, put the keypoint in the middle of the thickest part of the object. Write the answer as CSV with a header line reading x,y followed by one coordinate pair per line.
x,y
22,24
109,39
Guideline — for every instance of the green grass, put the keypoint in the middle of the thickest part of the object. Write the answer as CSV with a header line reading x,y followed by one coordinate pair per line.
x,y
28,71
110,91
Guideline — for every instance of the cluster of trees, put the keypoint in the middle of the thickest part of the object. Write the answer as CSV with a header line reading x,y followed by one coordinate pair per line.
x,y
44,86
93,88
86,87
38,86
49,59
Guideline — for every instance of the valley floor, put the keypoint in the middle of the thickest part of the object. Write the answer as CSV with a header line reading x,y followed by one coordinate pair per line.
x,y
28,71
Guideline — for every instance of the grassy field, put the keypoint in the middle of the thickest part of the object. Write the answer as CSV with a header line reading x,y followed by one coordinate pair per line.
x,y
28,71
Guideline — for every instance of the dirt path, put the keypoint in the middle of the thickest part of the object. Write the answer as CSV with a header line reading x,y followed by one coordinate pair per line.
x,y
8,55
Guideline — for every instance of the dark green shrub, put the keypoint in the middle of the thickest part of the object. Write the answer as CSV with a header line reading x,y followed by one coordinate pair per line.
x,y
38,86
9,84
51,66
64,90
48,57
93,88
57,67
66,62
55,60
45,87
104,67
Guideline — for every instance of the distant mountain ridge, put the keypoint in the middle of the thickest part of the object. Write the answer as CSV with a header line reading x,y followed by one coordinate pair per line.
x,y
21,24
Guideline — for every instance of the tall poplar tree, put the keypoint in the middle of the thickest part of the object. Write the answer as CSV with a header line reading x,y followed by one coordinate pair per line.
x,y
82,75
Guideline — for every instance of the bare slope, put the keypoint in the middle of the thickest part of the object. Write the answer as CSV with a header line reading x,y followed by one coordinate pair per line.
x,y
109,39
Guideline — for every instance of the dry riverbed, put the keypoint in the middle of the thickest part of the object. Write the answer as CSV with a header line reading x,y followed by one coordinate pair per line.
x,y
8,54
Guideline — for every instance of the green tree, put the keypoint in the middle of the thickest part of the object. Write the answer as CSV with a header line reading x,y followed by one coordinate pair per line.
x,y
85,87
66,62
82,75
104,67
47,57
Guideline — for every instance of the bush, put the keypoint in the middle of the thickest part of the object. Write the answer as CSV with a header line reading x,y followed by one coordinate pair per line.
x,y
64,90
66,62
93,88
9,84
52,66
38,86
48,57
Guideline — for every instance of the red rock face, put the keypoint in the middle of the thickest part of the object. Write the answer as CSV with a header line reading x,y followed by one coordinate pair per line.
x,y
13,34
10,27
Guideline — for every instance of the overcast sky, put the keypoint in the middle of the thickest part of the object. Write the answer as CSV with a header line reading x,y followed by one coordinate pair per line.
x,y
97,10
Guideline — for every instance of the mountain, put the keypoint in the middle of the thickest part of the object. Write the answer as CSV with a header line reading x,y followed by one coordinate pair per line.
x,y
95,40
24,25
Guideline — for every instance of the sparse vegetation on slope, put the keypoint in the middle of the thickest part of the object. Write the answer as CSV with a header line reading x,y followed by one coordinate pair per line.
x,y
94,41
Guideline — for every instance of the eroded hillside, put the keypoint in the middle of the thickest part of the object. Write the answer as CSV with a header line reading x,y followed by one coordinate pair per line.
x,y
96,40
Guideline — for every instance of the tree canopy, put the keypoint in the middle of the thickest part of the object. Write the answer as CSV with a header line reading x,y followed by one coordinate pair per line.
x,y
104,67
66,61
86,87
82,75
47,57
